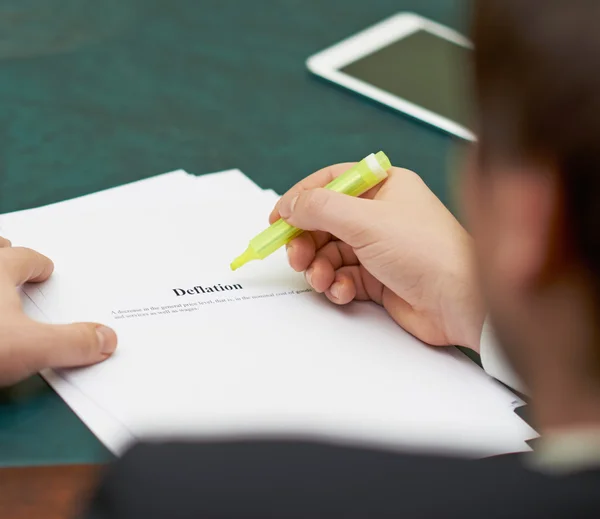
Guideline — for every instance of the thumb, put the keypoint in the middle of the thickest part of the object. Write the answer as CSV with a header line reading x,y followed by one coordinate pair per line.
x,y
69,345
348,218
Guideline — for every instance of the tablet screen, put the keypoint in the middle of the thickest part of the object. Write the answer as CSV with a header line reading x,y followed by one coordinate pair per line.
x,y
424,69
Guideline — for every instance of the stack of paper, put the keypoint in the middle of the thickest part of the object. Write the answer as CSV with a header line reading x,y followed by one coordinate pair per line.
x,y
204,351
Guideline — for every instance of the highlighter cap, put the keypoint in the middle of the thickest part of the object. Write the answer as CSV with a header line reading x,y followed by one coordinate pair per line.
x,y
380,165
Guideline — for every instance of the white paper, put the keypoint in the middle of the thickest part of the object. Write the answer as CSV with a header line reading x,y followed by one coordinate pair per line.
x,y
115,436
165,191
275,365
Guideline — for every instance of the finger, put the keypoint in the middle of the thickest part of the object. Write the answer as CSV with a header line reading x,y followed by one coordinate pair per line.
x,y
352,220
66,346
274,216
19,265
343,289
338,253
328,259
320,275
391,188
318,179
301,250
355,283
4,242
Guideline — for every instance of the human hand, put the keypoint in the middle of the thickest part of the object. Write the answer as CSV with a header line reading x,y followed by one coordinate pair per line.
x,y
397,246
27,346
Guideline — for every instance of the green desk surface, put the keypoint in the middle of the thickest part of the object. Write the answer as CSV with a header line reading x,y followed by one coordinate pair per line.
x,y
96,94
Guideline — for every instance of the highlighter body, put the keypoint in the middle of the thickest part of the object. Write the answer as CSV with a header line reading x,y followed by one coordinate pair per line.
x,y
357,180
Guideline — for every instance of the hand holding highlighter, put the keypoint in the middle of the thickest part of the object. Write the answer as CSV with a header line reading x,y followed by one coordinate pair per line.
x,y
361,177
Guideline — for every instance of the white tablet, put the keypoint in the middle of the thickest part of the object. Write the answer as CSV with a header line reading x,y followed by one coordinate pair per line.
x,y
409,63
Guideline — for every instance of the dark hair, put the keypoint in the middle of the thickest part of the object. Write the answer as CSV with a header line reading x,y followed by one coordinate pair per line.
x,y
537,87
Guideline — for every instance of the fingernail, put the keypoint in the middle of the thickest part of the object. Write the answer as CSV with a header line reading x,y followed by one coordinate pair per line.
x,y
289,252
308,274
285,211
335,290
105,340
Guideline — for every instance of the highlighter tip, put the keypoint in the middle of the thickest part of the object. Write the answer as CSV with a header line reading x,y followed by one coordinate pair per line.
x,y
241,260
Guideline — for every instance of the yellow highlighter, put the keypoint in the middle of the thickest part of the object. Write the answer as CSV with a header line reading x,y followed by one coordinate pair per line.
x,y
357,180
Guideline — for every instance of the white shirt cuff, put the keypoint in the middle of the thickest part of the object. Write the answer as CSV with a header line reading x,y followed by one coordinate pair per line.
x,y
494,361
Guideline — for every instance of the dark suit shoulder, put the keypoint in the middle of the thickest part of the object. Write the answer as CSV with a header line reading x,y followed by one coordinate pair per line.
x,y
303,479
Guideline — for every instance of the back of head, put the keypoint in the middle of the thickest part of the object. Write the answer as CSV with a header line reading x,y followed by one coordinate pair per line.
x,y
537,79
533,197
